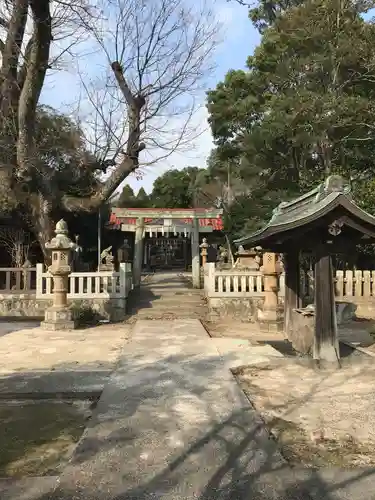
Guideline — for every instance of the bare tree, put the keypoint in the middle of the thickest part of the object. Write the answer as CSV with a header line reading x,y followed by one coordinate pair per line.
x,y
158,54
17,244
154,56
32,41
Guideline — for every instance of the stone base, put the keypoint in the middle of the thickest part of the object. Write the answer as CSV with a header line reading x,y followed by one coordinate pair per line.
x,y
58,325
106,267
58,319
301,330
271,326
270,320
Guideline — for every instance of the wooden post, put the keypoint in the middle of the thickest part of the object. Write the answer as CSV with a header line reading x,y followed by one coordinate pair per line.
x,y
195,264
326,345
138,252
292,299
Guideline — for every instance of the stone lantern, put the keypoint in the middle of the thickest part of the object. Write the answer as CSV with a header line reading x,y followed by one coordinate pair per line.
x,y
203,246
59,315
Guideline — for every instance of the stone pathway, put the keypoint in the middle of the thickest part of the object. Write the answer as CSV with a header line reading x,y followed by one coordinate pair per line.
x,y
167,295
173,424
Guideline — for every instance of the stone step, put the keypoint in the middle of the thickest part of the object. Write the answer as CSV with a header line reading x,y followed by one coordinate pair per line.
x,y
167,296
166,315
167,292
167,303
183,310
166,306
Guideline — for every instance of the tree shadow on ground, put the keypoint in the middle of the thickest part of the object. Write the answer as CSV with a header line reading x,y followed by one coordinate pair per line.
x,y
221,455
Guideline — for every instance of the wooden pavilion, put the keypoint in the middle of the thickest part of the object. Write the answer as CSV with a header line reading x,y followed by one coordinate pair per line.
x,y
323,222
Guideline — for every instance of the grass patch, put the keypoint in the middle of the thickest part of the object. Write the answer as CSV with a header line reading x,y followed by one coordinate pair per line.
x,y
37,438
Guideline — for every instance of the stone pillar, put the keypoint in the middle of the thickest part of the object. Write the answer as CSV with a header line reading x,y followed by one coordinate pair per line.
x,y
138,251
185,250
59,316
195,264
27,275
203,246
270,313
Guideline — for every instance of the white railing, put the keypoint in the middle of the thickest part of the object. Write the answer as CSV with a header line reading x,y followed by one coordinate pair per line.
x,y
349,285
232,283
88,285
17,279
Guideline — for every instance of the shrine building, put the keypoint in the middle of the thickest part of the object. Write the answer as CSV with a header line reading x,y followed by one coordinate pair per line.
x,y
166,238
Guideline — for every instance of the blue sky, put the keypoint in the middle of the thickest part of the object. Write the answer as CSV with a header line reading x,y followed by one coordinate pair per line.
x,y
239,40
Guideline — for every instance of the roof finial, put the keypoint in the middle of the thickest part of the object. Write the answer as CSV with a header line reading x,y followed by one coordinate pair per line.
x,y
335,184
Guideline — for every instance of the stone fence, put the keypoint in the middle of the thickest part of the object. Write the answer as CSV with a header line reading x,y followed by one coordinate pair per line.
x,y
236,292
88,285
28,291
17,279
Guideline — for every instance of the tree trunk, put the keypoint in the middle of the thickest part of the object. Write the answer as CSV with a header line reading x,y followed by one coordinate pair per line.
x,y
42,224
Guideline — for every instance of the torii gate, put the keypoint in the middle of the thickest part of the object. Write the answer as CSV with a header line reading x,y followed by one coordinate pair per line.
x,y
190,216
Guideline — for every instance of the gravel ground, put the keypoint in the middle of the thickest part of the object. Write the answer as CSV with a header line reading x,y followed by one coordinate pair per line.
x,y
25,347
320,417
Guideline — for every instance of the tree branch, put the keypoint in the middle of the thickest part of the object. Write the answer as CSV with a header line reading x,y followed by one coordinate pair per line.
x,y
130,161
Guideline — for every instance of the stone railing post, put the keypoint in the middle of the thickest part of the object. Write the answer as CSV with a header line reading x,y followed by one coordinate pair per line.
x,y
209,278
123,271
59,315
26,275
270,313
39,280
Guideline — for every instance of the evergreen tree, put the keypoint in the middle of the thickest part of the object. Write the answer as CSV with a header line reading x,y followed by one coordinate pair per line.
x,y
126,198
305,108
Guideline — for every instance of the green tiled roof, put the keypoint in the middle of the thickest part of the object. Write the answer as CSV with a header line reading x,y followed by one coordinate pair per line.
x,y
316,203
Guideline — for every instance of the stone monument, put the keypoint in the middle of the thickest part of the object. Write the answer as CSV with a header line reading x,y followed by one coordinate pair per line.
x,y
59,315
123,252
247,259
106,260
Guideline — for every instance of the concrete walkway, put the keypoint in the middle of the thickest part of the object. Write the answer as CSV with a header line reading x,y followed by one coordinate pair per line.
x,y
172,424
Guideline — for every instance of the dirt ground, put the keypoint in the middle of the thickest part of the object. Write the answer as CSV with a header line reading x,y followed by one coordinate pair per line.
x,y
319,417
241,330
23,347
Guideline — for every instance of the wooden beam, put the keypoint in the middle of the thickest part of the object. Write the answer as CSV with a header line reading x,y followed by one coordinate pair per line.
x,y
154,213
358,227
